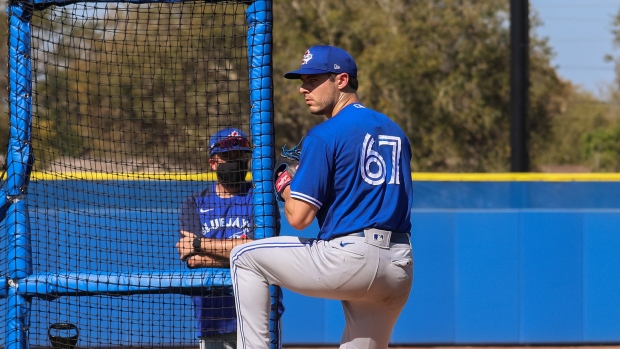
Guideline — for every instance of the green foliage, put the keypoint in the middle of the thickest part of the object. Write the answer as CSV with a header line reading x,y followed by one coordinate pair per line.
x,y
598,124
586,128
580,113
139,82
602,147
438,68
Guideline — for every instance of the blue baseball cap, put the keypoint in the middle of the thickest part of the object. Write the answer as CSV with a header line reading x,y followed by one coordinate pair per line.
x,y
321,59
228,139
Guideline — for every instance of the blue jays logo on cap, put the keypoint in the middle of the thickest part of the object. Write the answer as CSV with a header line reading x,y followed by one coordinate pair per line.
x,y
307,57
323,59
228,139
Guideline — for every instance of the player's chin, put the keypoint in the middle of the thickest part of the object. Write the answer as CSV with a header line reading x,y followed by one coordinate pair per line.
x,y
315,110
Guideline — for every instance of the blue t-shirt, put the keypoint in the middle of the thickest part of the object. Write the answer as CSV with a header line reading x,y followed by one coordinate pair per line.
x,y
355,168
208,215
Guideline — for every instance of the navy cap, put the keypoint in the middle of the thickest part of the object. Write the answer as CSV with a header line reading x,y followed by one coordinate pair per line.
x,y
228,139
323,59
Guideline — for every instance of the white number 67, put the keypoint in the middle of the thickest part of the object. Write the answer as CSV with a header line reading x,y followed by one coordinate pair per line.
x,y
370,156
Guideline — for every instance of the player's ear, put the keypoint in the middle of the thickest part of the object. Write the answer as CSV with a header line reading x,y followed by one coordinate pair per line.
x,y
213,163
342,80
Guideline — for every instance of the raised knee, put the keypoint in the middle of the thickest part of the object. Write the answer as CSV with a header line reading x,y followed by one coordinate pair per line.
x,y
234,254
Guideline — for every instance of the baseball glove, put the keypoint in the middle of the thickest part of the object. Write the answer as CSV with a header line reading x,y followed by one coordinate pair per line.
x,y
285,169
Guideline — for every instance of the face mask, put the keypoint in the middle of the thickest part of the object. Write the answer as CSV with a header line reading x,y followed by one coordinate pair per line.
x,y
232,173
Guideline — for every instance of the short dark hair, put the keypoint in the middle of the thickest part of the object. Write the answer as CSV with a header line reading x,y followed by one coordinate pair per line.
x,y
353,82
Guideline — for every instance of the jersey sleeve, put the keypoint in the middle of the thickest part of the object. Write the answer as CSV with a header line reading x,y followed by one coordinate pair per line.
x,y
188,217
311,181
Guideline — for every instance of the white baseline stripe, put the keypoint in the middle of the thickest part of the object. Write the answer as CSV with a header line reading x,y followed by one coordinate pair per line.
x,y
306,198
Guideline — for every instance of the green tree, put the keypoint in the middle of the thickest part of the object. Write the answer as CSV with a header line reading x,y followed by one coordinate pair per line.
x,y
581,113
598,122
148,82
602,148
438,68
152,81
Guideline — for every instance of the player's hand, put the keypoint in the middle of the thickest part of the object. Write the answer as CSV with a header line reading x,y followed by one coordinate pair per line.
x,y
286,169
185,246
283,176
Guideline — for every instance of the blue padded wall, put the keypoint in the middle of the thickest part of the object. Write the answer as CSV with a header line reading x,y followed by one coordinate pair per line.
x,y
486,263
498,263
601,276
495,277
495,263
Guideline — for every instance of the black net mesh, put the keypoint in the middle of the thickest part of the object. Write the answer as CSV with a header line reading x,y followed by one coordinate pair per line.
x,y
125,98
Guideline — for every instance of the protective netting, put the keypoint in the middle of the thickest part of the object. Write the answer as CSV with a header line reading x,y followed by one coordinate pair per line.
x,y
136,88
125,98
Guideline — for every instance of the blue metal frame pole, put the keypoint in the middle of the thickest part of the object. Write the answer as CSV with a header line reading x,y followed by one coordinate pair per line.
x,y
18,169
260,25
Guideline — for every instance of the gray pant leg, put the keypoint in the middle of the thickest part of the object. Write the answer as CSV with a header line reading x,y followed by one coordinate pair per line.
x,y
371,319
342,269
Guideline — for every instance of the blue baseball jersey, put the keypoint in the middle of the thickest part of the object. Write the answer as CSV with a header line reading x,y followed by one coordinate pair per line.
x,y
206,214
355,168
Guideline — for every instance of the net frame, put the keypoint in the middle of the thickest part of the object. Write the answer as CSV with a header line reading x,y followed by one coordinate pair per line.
x,y
20,284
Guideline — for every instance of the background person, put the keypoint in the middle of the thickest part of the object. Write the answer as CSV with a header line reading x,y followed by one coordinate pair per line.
x,y
211,223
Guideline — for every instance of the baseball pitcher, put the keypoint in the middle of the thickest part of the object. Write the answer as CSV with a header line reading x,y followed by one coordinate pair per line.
x,y
354,177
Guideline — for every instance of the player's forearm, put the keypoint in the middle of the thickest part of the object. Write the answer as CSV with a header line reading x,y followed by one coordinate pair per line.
x,y
206,261
299,214
220,248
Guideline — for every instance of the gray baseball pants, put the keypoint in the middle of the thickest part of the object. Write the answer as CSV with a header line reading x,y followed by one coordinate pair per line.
x,y
372,282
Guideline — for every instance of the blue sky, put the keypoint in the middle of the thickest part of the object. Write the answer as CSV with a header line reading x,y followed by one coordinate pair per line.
x,y
579,32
